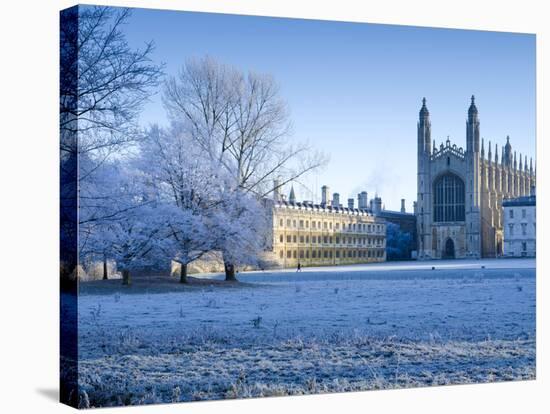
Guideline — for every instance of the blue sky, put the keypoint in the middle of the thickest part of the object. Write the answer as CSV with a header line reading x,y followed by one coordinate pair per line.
x,y
355,89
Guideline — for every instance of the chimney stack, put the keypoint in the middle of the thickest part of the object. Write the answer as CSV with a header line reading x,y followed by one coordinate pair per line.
x,y
403,205
276,190
325,196
362,200
350,203
336,200
376,205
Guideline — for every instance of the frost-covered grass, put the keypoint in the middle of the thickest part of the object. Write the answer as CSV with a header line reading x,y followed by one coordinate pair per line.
x,y
310,332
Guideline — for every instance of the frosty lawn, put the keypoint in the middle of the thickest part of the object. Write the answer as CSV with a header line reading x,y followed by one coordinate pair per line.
x,y
320,330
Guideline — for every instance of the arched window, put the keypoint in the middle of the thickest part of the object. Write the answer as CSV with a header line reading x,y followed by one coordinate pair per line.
x,y
448,198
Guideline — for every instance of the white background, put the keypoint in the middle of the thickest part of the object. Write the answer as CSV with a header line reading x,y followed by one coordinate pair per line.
x,y
29,216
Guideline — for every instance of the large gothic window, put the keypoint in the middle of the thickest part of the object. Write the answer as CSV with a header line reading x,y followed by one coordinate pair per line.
x,y
448,198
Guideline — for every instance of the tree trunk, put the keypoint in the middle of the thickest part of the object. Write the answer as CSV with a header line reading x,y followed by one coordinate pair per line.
x,y
230,272
105,270
183,273
126,277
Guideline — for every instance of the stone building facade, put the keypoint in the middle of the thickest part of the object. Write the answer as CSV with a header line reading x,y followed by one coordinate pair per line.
x,y
460,192
326,233
520,226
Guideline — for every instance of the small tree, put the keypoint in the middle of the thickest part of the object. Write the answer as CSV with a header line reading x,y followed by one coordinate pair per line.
x,y
398,242
132,239
240,229
187,239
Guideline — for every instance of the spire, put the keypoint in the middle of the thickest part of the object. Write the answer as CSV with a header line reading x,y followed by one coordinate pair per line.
x,y
489,154
515,162
531,166
525,164
520,162
496,153
292,196
507,153
424,113
433,146
472,111
482,148
424,130
472,129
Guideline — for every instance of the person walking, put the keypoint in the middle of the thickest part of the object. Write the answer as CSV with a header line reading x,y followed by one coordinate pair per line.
x,y
299,269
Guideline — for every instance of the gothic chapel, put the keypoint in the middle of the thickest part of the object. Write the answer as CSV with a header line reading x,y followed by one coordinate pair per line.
x,y
460,192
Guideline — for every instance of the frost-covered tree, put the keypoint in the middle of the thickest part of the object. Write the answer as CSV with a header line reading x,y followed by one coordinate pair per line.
x,y
104,83
103,86
398,242
240,122
134,238
240,229
187,185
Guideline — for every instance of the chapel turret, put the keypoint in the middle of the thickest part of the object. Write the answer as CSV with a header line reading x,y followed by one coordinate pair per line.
x,y
507,154
424,129
472,128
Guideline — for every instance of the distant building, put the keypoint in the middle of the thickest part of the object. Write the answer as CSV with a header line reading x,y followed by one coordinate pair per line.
x,y
460,192
520,226
326,233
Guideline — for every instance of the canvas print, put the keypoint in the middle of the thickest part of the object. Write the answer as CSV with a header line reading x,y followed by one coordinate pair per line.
x,y
256,207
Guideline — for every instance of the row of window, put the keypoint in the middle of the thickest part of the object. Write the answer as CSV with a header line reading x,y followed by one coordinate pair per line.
x,y
329,240
511,251
327,254
328,225
523,229
523,213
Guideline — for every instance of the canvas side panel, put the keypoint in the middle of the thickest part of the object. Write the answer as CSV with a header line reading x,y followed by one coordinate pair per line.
x,y
68,88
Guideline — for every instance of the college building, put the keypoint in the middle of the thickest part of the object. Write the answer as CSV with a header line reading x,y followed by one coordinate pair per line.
x,y
460,192
326,233
520,226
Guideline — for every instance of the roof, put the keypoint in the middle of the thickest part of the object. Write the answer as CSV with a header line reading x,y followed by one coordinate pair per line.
x,y
346,210
396,214
520,201
321,207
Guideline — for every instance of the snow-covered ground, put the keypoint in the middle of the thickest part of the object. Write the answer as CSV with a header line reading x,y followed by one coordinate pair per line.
x,y
320,330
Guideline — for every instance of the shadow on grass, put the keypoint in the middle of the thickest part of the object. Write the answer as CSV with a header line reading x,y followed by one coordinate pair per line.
x,y
156,284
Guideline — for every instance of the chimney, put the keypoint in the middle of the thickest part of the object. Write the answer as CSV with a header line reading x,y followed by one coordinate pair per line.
x,y
350,203
336,200
403,205
325,195
376,205
276,190
362,200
